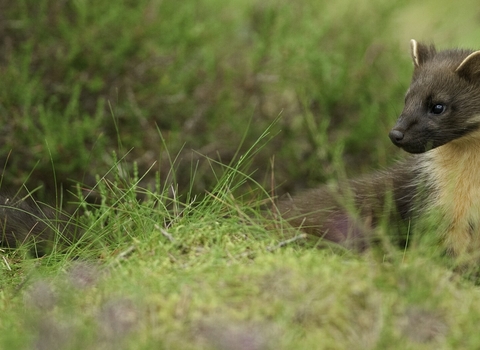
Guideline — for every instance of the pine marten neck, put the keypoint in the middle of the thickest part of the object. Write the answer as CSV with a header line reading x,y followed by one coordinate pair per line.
x,y
453,170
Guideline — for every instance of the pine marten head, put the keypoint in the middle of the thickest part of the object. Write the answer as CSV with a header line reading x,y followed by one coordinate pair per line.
x,y
443,101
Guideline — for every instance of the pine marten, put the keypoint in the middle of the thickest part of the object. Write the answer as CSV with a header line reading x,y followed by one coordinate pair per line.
x,y
440,126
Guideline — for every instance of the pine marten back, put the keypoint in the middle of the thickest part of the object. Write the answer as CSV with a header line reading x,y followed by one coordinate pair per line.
x,y
440,126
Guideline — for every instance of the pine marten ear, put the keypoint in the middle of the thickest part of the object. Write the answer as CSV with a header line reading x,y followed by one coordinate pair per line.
x,y
421,52
469,69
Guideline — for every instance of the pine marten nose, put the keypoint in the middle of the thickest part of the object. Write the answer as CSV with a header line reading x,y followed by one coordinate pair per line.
x,y
396,136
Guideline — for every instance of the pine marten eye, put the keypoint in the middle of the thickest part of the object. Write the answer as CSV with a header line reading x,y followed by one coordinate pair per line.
x,y
438,108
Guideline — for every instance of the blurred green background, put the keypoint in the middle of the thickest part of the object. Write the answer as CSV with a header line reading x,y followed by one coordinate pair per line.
x,y
155,80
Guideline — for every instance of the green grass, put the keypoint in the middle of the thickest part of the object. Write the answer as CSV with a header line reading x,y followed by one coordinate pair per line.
x,y
165,127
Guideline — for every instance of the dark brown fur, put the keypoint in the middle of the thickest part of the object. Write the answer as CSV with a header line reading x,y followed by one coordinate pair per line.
x,y
347,213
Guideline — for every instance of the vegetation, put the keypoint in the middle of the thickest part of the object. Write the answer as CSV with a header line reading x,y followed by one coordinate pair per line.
x,y
165,128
